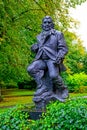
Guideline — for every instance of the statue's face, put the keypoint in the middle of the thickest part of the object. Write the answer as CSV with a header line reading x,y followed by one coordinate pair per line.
x,y
47,24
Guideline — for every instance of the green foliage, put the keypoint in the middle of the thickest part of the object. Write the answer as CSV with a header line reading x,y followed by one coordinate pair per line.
x,y
82,89
76,81
31,85
76,58
71,115
20,23
85,63
14,119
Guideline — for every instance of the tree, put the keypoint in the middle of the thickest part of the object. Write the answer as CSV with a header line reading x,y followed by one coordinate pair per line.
x,y
20,23
76,54
85,63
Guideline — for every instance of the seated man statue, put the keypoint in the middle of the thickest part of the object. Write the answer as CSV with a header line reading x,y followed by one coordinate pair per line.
x,y
50,51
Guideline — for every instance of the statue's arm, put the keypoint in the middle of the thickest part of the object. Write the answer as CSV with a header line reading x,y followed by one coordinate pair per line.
x,y
62,48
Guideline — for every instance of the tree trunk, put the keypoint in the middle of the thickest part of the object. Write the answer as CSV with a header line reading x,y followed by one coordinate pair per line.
x,y
0,95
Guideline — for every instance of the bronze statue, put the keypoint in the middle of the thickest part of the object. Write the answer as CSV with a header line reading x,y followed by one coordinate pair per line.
x,y
50,52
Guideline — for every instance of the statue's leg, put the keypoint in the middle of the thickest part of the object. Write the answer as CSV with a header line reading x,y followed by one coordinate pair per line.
x,y
60,88
36,70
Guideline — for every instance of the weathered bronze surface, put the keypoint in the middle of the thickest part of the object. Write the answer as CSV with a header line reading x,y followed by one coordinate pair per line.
x,y
50,52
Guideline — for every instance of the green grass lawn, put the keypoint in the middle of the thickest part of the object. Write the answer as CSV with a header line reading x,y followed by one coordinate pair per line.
x,y
12,101
12,97
3,109
17,92
72,95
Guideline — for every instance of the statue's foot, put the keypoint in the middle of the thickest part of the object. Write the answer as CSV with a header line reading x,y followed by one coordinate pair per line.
x,y
40,91
65,93
56,97
62,92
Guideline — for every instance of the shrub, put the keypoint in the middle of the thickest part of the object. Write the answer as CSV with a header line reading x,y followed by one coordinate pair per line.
x,y
27,84
8,85
76,81
82,89
71,115
14,119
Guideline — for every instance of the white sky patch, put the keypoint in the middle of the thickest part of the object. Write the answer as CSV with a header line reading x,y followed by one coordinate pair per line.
x,y
80,13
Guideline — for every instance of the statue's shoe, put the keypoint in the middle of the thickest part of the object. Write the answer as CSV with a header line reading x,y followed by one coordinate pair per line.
x,y
40,91
65,93
57,97
62,93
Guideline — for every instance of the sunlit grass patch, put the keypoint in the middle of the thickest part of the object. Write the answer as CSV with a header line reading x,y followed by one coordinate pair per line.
x,y
11,101
77,95
17,92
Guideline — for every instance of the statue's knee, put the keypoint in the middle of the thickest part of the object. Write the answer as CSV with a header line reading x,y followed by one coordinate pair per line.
x,y
53,76
29,69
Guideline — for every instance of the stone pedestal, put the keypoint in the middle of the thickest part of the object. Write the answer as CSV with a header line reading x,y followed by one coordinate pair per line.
x,y
35,115
47,93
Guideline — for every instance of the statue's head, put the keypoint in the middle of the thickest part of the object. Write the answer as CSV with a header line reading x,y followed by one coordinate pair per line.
x,y
47,23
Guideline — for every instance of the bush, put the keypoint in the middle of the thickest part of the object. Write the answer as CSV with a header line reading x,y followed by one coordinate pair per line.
x,y
14,119
71,115
8,85
27,84
76,81
82,89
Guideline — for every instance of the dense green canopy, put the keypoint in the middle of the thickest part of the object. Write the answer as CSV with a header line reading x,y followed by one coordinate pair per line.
x,y
21,22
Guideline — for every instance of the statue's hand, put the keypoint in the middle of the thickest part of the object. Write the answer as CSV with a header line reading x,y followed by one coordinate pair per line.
x,y
58,60
34,47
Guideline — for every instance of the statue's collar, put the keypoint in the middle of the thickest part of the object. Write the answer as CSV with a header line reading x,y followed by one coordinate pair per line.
x,y
52,31
44,34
